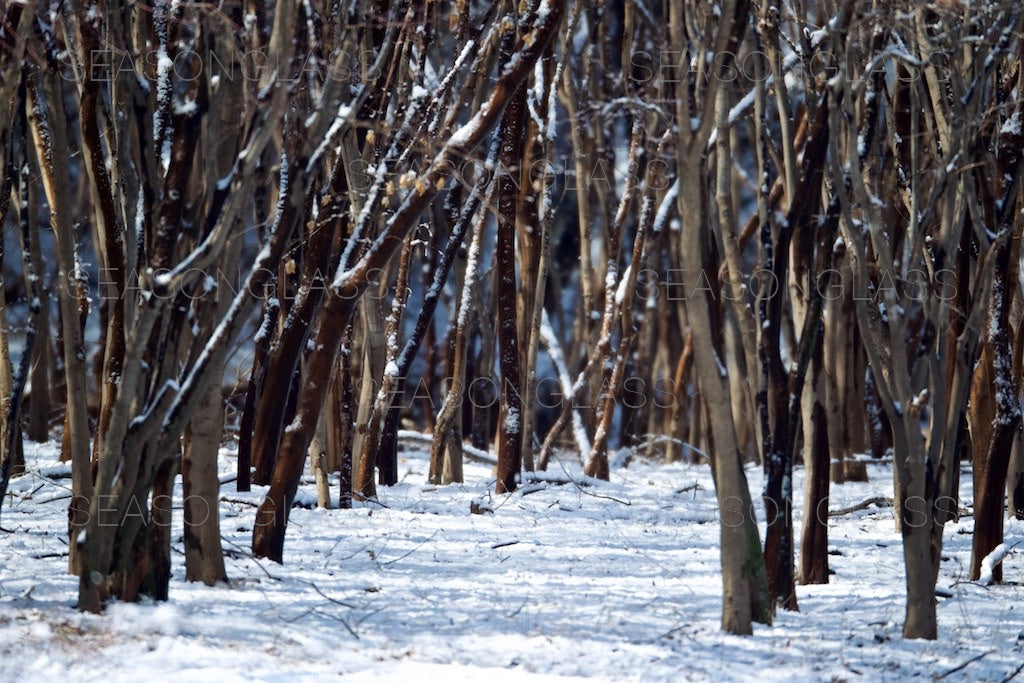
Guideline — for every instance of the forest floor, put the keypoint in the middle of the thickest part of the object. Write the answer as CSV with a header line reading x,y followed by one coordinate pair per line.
x,y
616,581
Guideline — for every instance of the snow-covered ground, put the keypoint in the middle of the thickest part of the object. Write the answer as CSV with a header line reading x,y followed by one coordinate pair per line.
x,y
616,581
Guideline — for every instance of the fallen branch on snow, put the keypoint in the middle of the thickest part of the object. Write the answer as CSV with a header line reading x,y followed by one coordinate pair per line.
x,y
880,501
964,665
470,452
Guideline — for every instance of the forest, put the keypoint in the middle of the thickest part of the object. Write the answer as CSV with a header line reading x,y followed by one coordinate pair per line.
x,y
264,257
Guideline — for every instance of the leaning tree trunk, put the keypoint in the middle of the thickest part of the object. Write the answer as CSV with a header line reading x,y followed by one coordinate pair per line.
x,y
349,283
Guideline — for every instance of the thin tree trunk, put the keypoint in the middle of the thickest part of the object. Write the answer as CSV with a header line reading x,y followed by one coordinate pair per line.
x,y
39,405
391,372
814,534
374,356
318,460
257,375
446,449
46,119
510,407
344,402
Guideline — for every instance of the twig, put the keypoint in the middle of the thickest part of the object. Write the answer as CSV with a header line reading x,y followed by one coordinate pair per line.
x,y
405,555
53,499
336,602
337,618
28,495
238,501
1014,674
249,555
964,665
330,599
518,609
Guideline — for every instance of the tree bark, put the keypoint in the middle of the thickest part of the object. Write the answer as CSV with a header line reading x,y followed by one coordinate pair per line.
x,y
204,558
510,406
46,119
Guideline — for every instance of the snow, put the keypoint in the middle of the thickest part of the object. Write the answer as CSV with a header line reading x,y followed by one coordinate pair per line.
x,y
1011,126
341,119
991,561
185,108
164,64
511,422
665,208
620,292
463,134
570,578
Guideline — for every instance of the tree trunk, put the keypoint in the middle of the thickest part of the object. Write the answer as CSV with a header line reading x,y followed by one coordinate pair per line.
x,y
253,392
374,352
1015,479
510,407
744,583
39,404
204,557
47,123
318,460
814,535
990,495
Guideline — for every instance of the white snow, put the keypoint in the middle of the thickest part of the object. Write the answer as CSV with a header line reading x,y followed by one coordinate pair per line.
x,y
512,420
568,579
1011,126
665,207
620,291
164,65
991,561
463,134
341,119
185,108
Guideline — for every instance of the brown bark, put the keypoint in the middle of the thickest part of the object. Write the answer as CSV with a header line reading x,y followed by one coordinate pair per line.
x,y
991,468
47,123
204,558
510,406
109,230
814,535
272,516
